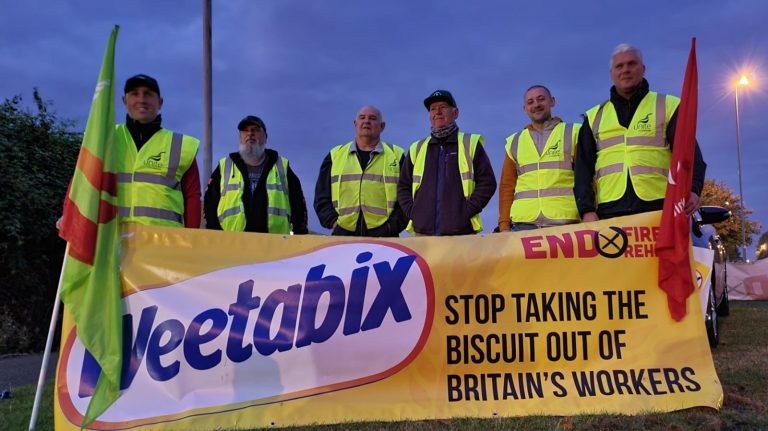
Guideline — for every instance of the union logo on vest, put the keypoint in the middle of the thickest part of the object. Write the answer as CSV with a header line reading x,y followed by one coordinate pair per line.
x,y
155,161
555,150
644,123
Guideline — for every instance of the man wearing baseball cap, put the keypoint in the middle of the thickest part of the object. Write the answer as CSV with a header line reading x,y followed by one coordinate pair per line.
x,y
446,179
158,181
254,189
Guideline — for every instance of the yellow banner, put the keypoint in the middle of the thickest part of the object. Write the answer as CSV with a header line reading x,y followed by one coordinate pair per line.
x,y
253,330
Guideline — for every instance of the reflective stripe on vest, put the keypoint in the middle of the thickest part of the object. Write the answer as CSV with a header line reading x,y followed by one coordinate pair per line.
x,y
149,188
372,192
639,152
545,181
467,146
231,211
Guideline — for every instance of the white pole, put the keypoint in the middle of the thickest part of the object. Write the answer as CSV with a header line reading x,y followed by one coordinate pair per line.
x,y
48,343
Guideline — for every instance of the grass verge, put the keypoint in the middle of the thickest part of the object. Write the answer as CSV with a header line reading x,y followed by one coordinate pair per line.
x,y
15,411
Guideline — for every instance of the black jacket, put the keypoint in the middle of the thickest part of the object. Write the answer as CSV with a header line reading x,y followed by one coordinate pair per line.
x,y
586,157
255,204
439,207
396,222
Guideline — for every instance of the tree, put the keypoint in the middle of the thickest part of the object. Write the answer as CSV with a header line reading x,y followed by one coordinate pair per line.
x,y
719,194
37,156
762,246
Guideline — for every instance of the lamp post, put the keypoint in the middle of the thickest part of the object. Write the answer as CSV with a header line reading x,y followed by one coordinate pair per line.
x,y
743,81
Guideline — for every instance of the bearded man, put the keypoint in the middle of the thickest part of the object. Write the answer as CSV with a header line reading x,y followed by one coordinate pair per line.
x,y
254,189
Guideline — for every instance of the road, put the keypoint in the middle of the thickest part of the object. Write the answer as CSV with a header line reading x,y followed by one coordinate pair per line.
x,y
24,370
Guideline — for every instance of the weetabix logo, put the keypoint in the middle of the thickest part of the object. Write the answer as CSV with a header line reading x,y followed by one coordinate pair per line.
x,y
259,334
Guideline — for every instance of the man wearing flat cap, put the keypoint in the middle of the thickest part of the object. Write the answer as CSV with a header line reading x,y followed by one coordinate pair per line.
x,y
254,189
158,182
446,179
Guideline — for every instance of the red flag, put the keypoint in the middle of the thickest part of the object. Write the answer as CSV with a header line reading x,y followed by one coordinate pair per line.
x,y
673,244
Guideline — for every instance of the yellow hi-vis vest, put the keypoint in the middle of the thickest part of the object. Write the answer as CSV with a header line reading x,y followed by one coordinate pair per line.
x,y
149,180
467,146
640,151
544,181
373,191
231,210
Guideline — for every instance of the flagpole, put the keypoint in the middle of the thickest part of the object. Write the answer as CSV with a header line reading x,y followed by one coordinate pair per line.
x,y
207,92
48,344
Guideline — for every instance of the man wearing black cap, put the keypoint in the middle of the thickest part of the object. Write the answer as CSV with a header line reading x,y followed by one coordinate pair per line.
x,y
446,179
158,182
254,189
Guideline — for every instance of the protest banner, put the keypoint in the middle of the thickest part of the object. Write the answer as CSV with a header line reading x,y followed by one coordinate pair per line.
x,y
270,330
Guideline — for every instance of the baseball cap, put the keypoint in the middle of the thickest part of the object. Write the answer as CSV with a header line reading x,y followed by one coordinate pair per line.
x,y
251,120
141,80
440,96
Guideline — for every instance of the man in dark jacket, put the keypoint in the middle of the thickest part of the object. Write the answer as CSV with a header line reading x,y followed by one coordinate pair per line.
x,y
356,190
254,189
625,146
446,179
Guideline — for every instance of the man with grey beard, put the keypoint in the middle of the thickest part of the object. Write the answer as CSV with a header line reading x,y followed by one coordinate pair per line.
x,y
254,189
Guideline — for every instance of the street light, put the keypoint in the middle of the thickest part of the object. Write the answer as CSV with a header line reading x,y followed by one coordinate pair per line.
x,y
743,81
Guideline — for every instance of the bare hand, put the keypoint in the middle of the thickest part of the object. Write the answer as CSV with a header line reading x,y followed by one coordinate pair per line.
x,y
692,204
590,216
58,223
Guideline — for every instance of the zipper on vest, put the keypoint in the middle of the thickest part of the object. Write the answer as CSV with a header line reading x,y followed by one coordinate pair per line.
x,y
360,218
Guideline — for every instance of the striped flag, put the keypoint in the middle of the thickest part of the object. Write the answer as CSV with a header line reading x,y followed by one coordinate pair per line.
x,y
673,245
91,288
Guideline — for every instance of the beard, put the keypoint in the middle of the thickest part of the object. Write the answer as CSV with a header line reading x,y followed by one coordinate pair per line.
x,y
252,154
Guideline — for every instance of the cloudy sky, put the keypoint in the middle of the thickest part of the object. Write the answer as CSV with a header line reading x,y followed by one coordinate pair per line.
x,y
306,67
